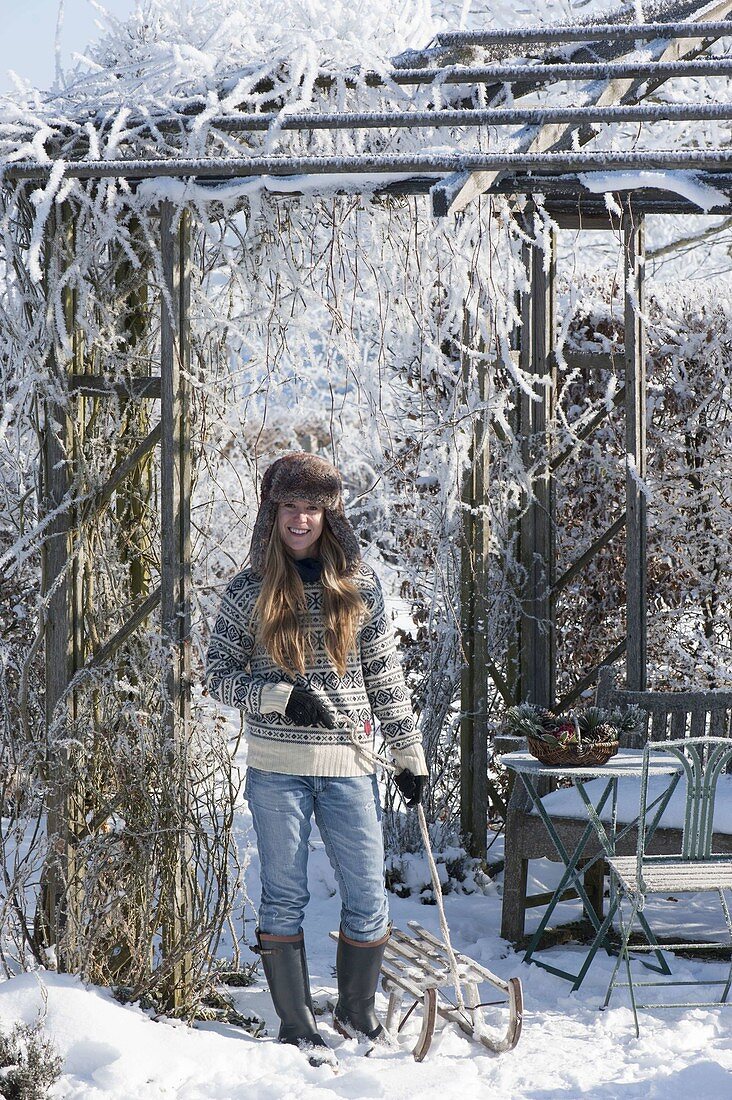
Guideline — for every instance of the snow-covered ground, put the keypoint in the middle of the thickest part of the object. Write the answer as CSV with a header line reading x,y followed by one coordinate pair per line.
x,y
568,1047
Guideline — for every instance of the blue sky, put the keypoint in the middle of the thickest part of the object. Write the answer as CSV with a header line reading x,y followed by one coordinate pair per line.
x,y
27,42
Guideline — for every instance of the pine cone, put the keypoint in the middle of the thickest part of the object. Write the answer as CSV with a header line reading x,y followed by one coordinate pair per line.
x,y
547,718
602,733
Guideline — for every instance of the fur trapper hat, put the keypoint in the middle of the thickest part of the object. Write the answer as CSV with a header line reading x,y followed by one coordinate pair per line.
x,y
307,477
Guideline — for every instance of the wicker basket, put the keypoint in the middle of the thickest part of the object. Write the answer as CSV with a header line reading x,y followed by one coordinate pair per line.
x,y
569,756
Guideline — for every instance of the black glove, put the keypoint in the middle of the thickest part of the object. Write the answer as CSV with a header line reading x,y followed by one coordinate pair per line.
x,y
411,786
307,710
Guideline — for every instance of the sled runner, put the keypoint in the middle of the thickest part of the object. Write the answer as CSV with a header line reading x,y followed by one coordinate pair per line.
x,y
418,965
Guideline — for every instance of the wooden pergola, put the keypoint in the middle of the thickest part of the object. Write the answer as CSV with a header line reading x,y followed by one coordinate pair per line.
x,y
554,153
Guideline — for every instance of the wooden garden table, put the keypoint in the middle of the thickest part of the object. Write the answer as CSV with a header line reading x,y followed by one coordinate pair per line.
x,y
626,763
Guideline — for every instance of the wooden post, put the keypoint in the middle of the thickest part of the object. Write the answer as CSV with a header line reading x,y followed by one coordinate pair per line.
x,y
537,632
527,628
474,680
175,492
635,427
543,293
59,913
133,501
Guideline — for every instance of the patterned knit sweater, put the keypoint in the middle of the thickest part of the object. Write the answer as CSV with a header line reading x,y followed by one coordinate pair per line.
x,y
240,673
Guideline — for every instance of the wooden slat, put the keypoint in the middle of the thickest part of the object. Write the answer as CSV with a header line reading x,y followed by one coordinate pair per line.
x,y
432,970
678,724
482,973
400,979
659,721
698,726
674,700
719,722
433,962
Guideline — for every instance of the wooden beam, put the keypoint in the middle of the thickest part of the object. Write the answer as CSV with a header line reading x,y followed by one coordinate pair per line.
x,y
121,471
221,170
635,426
665,65
94,385
261,122
572,206
595,421
579,32
577,566
103,654
589,678
622,82
592,360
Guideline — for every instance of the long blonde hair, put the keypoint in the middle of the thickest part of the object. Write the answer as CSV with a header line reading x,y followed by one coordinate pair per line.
x,y
281,607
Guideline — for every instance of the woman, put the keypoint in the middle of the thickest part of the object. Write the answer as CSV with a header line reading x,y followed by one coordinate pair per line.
x,y
303,646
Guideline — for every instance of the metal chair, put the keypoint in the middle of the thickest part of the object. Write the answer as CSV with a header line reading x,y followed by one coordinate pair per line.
x,y
694,869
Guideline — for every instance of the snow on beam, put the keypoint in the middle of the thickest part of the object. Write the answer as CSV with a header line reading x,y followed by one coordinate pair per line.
x,y
545,73
496,116
659,193
370,164
582,32
661,11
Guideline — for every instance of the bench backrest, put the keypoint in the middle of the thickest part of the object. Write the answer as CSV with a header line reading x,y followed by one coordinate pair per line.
x,y
671,715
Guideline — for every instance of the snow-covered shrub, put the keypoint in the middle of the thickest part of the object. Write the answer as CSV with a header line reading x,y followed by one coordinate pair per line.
x,y
408,873
29,1063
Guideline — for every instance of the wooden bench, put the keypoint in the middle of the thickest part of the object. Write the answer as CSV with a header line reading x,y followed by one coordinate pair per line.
x,y
669,715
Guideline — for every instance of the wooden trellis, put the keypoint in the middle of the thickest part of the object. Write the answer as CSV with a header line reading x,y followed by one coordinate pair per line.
x,y
548,162
67,648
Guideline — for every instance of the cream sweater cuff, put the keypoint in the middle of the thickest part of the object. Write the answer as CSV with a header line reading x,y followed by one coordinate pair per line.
x,y
275,697
412,757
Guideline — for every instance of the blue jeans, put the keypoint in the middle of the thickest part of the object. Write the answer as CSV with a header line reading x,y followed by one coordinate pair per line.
x,y
348,815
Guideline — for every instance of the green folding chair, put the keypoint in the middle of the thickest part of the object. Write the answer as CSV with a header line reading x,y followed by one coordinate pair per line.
x,y
696,868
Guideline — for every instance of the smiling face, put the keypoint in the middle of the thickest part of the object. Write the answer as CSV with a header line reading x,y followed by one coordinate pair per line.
x,y
300,525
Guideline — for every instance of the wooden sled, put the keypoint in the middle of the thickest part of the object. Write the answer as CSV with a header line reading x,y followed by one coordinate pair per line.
x,y
418,965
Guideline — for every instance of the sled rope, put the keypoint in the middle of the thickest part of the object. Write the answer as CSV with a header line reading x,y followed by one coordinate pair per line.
x,y
386,766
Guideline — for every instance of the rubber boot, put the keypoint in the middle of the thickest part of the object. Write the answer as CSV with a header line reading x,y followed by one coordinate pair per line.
x,y
286,971
358,966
